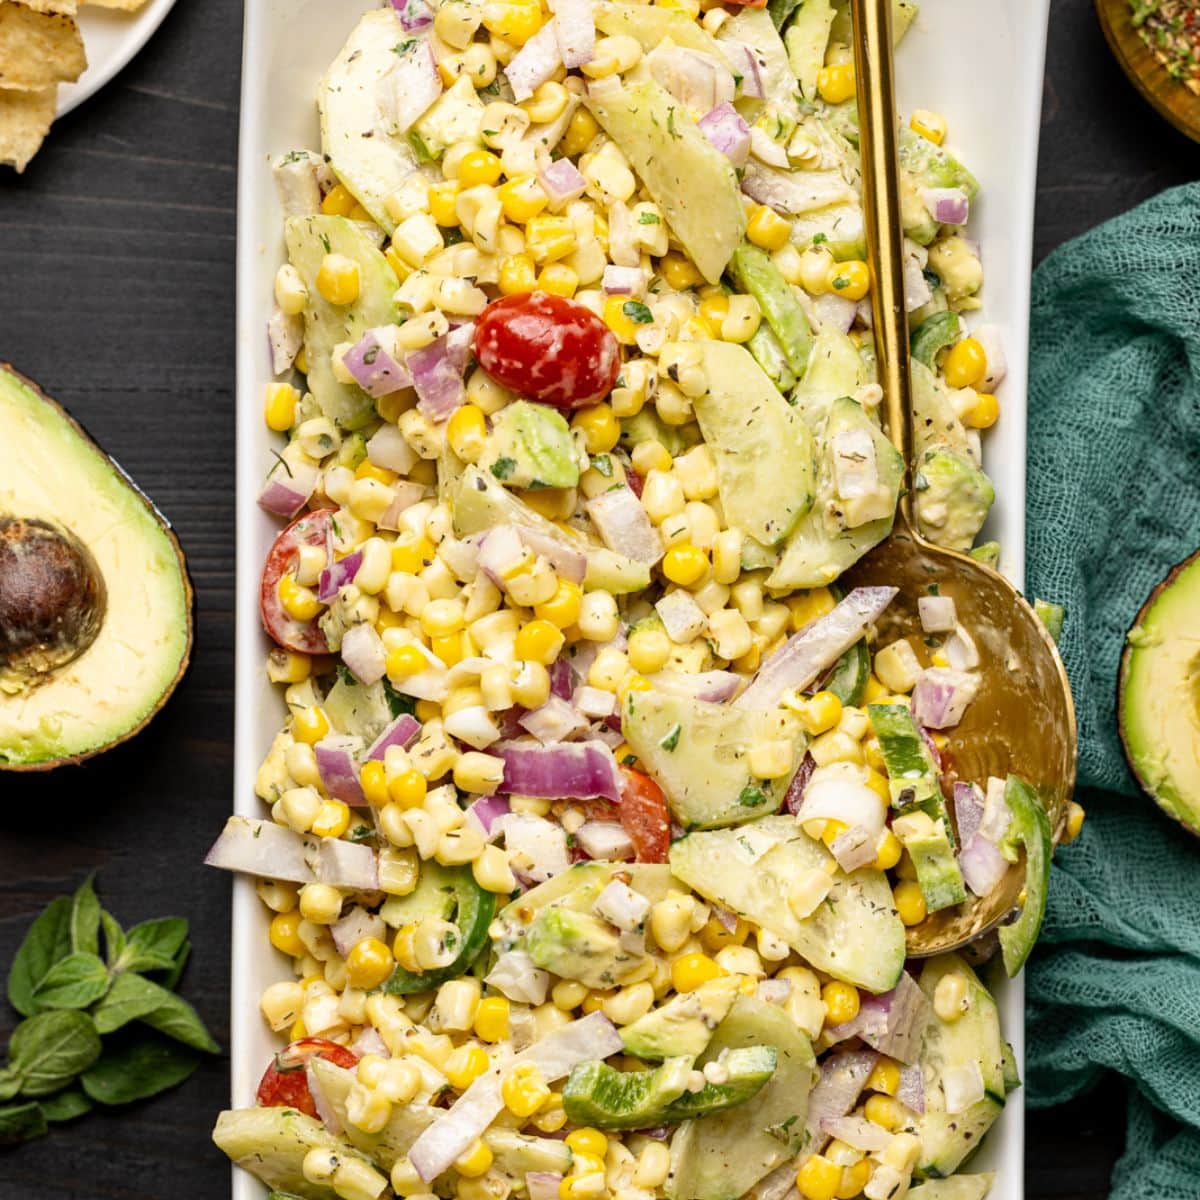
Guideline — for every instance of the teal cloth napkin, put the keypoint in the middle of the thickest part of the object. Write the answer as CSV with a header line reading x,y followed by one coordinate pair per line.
x,y
1113,504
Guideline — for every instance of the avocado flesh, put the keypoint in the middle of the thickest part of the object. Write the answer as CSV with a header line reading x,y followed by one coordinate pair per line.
x,y
684,1025
1160,695
51,471
531,447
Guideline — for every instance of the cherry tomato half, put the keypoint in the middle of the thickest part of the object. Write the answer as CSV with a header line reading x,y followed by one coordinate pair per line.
x,y
285,1083
548,348
305,637
643,813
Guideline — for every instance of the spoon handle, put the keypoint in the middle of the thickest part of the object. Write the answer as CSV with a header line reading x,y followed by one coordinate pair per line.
x,y
877,121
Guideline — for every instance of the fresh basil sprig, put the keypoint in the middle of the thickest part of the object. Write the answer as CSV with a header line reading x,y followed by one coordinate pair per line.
x,y
99,1029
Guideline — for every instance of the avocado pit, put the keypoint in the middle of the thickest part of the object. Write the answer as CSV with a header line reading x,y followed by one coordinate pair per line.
x,y
52,600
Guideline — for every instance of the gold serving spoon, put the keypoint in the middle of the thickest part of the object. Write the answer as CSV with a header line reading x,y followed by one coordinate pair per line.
x,y
1023,719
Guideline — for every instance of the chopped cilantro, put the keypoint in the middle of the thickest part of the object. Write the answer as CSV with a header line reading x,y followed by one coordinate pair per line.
x,y
502,468
648,218
637,312
819,239
603,464
672,739
405,46
326,244
752,796
398,703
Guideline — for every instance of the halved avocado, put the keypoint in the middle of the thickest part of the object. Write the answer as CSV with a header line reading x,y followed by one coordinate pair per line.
x,y
95,601
1159,695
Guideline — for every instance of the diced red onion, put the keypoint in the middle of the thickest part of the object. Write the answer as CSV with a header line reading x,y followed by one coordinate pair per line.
x,y
554,1055
562,182
855,848
948,206
621,906
911,1090
347,865
407,494
682,617
836,792
415,85
790,192
298,181
982,864
356,926
555,721
893,1023
473,725
389,448
335,576
622,248
997,816
414,14
438,382
624,526
560,678
516,975
727,132
578,770
602,732
744,61
714,686
937,613
960,650
942,695
839,1085
364,653
793,799
962,1086
537,848
835,311
337,760
264,849
594,703
288,488
726,919
285,334
773,991
624,281
605,840
968,810
568,560
575,29
486,813
499,550
402,732
369,1041
374,364
325,1110
803,657
992,341
534,63
857,1132
542,1185
699,81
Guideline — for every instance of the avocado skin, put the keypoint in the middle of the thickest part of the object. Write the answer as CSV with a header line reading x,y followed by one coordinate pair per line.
x,y
82,755
1146,744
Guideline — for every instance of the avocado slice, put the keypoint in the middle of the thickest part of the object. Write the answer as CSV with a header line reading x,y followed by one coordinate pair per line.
x,y
698,753
578,945
723,1156
840,528
953,498
271,1144
854,935
531,447
763,449
931,849
309,240
370,163
972,1040
1159,701
693,183
684,1025
95,601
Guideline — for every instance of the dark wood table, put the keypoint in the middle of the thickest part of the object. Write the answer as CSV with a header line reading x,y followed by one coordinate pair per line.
x,y
117,295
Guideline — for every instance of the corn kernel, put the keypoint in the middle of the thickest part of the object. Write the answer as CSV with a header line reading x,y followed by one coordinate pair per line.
x,y
951,998
338,202
600,428
559,280
563,608
766,228
333,819
339,279
538,641
817,713
521,199
280,406
679,272
930,125
309,725
515,21
850,280
478,167
689,971
581,132
888,853
491,1019
284,933
1075,818
836,83
465,1065
408,789
588,1141
984,413
885,1111
966,363
524,1090
368,964
299,602
475,1161
910,904
841,1002
685,564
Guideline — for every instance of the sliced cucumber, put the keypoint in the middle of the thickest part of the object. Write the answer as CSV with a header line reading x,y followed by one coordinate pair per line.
x,y
848,680
853,935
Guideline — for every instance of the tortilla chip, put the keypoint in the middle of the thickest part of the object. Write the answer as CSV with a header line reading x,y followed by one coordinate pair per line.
x,y
123,5
25,119
38,50
67,7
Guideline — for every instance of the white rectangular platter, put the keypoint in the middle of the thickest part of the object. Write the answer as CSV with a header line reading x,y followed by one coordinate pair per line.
x,y
979,62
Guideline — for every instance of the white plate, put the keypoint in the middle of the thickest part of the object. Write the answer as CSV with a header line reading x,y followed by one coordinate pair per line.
x,y
288,45
110,38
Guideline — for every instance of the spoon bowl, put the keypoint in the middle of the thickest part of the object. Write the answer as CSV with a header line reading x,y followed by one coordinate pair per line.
x,y
1023,720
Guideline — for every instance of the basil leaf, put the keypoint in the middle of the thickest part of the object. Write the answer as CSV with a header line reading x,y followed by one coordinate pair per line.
x,y
21,1123
48,940
10,1083
114,939
134,1066
49,1050
133,998
85,919
66,1106
152,945
78,981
